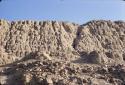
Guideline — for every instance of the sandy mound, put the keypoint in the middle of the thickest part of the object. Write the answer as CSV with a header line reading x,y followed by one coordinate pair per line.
x,y
62,53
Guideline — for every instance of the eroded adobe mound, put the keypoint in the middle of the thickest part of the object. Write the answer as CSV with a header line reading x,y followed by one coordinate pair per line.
x,y
51,52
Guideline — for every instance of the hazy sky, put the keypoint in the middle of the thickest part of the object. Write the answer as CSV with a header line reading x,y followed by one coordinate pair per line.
x,y
78,11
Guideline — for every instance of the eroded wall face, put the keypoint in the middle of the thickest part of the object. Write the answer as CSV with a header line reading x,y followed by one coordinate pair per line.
x,y
62,40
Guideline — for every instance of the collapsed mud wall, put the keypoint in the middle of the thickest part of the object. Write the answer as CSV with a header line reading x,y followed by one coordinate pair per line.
x,y
97,41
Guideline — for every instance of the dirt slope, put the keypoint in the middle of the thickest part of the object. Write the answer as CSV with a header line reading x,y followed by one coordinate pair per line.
x,y
62,53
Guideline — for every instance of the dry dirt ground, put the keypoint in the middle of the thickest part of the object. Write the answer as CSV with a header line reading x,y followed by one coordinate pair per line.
x,y
62,53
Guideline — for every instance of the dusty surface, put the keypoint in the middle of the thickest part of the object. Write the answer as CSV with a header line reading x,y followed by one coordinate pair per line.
x,y
62,53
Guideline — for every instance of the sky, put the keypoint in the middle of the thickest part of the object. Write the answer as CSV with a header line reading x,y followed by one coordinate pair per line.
x,y
79,11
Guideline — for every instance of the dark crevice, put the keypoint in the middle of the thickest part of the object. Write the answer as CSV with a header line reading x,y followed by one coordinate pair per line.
x,y
75,41
123,56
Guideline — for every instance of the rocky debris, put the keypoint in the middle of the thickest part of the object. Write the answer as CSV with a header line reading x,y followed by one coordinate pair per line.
x,y
62,73
62,53
27,78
